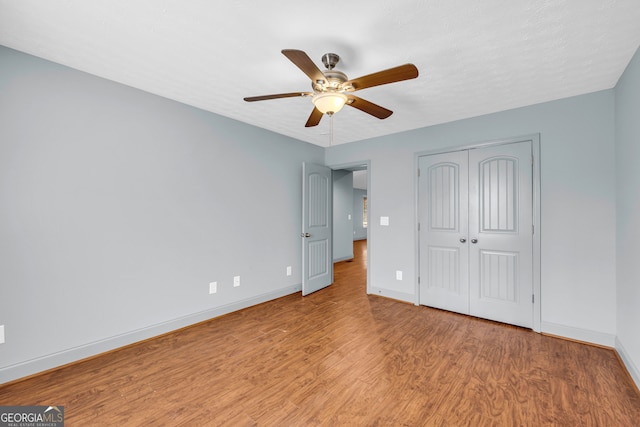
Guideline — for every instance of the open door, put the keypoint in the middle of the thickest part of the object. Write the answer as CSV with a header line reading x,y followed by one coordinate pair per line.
x,y
317,214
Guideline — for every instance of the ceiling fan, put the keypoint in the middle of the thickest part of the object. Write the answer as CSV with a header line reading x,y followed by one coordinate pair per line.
x,y
332,89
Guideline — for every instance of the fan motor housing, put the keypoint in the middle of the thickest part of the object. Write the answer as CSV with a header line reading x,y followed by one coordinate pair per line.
x,y
334,78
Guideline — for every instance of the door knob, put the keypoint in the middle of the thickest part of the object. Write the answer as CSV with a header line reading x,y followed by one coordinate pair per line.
x,y
463,240
305,235
474,241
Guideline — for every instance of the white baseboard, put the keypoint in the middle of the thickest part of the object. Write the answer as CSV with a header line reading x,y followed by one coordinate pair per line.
x,y
401,296
579,334
628,363
50,361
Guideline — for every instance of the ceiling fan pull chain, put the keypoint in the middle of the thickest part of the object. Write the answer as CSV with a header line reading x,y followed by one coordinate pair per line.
x,y
330,130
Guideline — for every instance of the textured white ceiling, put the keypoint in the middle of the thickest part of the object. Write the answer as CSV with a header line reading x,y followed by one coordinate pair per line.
x,y
474,57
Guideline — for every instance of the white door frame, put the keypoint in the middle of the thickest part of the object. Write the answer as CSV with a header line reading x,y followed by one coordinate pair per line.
x,y
535,144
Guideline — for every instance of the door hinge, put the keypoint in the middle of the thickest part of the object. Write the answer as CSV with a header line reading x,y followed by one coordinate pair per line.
x,y
418,226
418,280
418,171
533,298
533,229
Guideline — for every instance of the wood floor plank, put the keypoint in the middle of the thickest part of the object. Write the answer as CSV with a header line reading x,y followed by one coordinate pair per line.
x,y
341,357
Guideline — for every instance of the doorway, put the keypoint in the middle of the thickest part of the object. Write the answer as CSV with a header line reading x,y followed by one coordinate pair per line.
x,y
351,207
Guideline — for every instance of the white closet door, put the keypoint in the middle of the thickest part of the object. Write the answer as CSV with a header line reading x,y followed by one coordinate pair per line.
x,y
501,233
444,252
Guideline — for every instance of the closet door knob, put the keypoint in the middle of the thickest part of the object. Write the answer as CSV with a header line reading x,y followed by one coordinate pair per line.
x,y
474,241
463,240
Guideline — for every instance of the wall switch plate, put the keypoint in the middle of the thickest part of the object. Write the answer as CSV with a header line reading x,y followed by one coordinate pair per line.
x,y
213,287
349,217
398,274
1,334
289,270
236,281
384,220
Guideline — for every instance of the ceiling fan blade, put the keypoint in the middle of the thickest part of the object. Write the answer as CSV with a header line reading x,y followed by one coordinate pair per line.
x,y
276,96
392,75
302,61
369,107
314,118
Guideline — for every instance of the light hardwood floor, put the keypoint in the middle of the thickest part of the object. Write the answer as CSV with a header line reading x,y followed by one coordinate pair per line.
x,y
341,358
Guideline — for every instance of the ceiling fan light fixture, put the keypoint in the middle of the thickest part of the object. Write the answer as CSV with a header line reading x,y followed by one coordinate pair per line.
x,y
330,86
329,102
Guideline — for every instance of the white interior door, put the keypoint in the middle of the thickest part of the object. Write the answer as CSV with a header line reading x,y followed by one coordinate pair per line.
x,y
444,252
317,215
476,219
501,233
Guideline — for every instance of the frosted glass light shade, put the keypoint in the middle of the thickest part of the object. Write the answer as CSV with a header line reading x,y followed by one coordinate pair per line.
x,y
329,102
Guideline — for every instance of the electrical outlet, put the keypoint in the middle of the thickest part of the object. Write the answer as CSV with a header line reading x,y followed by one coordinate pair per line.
x,y
236,281
289,270
398,274
1,334
213,287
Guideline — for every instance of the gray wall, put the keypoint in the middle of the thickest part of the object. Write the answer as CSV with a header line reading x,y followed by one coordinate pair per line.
x,y
628,214
578,262
359,232
117,208
342,215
